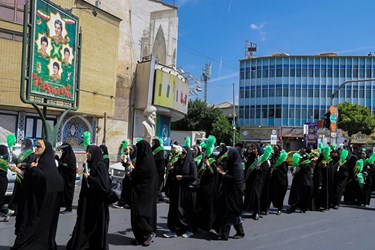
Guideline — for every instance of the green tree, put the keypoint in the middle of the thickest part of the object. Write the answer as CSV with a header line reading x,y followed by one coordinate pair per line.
x,y
355,118
202,117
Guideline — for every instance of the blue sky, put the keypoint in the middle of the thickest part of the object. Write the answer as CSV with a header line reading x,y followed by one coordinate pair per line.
x,y
215,31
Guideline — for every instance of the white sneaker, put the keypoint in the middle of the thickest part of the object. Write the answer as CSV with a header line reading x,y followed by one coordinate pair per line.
x,y
188,234
170,234
10,212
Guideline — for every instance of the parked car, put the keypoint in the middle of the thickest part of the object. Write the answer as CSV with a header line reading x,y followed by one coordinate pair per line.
x,y
216,151
117,174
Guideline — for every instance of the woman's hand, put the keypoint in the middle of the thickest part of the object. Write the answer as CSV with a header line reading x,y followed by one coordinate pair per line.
x,y
14,168
86,175
33,164
178,177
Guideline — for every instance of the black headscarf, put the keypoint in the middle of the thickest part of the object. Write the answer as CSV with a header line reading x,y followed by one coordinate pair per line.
x,y
223,150
47,165
145,159
184,167
99,176
68,155
105,154
234,167
28,145
4,152
156,143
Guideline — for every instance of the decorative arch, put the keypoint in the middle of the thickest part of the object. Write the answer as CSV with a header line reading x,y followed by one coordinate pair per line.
x,y
73,129
160,48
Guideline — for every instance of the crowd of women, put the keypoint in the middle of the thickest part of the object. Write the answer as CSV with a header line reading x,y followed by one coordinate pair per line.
x,y
206,192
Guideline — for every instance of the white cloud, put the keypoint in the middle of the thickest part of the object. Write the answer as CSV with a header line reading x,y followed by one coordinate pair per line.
x,y
260,29
254,26
223,77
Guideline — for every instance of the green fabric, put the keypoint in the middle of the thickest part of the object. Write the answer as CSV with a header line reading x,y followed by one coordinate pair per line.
x,y
157,150
282,158
105,156
24,155
221,158
4,165
198,159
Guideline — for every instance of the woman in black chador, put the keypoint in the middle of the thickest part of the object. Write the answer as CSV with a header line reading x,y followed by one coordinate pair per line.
x,y
302,184
279,179
67,169
43,194
182,198
158,153
230,199
143,195
91,228
255,176
24,160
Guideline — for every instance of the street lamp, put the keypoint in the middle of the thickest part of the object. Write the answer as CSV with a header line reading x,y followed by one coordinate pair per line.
x,y
346,82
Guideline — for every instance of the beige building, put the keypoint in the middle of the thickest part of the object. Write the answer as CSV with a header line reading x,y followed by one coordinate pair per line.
x,y
117,37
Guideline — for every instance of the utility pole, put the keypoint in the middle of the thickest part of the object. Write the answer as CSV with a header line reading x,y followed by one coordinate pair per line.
x,y
234,120
205,76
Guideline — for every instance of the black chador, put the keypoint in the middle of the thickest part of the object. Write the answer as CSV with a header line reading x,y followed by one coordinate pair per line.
x,y
67,169
158,153
323,180
279,179
340,176
207,194
255,175
182,198
302,186
18,197
43,194
91,228
143,195
230,198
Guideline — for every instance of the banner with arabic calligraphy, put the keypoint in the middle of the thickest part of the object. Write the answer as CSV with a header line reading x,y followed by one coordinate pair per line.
x,y
54,48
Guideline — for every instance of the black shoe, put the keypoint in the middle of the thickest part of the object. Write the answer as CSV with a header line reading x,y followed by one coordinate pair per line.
x,y
150,238
336,207
278,212
66,211
239,231
134,242
255,216
219,237
290,210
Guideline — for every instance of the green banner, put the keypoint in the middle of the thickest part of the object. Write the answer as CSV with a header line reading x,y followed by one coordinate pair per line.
x,y
54,64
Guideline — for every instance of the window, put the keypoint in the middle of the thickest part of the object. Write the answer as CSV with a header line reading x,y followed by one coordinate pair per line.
x,y
264,113
310,92
247,112
285,92
272,93
11,35
12,10
316,93
247,93
242,93
252,93
265,92
286,72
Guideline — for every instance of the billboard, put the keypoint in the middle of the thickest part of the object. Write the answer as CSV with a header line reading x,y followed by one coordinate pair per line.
x,y
170,92
54,52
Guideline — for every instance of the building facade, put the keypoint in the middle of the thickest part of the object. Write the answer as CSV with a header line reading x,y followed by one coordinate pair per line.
x,y
117,37
282,92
